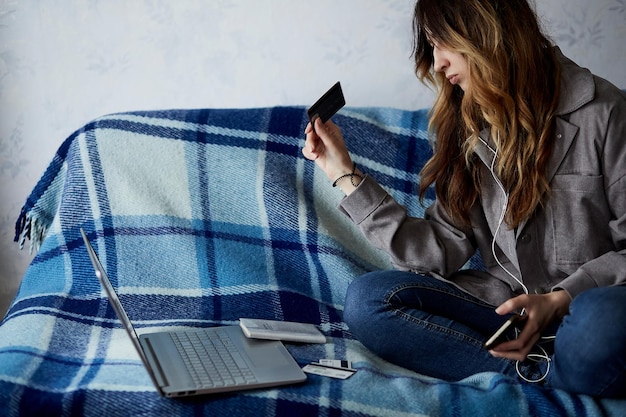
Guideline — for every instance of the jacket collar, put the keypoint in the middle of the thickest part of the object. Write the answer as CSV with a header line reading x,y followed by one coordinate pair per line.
x,y
577,85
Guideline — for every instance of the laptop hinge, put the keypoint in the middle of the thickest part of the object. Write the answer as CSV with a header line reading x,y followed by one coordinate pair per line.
x,y
154,366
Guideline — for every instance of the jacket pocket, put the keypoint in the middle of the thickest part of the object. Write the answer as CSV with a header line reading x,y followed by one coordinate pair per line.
x,y
580,219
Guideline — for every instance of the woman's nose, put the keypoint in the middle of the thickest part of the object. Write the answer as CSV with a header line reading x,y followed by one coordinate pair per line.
x,y
440,60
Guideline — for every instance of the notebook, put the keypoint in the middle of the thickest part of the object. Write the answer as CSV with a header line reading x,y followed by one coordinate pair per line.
x,y
203,361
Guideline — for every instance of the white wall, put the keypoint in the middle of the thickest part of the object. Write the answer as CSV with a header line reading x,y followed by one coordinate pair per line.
x,y
65,62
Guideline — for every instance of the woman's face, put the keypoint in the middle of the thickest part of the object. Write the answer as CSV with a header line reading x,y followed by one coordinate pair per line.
x,y
452,64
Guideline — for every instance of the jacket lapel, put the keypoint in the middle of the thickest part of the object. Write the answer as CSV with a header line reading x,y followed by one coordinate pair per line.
x,y
565,134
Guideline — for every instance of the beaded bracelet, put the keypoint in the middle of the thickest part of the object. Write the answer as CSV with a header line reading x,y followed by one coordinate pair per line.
x,y
351,175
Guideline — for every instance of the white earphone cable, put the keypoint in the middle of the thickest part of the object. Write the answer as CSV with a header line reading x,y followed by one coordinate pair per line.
x,y
502,214
535,357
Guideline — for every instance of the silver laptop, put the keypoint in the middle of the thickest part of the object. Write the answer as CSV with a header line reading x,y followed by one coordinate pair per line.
x,y
204,361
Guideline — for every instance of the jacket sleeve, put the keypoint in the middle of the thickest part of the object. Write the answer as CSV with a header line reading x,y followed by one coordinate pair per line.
x,y
431,245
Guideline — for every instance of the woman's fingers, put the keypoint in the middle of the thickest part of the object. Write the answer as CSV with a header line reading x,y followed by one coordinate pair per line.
x,y
312,145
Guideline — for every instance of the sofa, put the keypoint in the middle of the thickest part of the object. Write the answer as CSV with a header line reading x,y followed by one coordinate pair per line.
x,y
204,216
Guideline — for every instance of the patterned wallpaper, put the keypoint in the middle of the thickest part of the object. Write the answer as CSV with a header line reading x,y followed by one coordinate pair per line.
x,y
65,62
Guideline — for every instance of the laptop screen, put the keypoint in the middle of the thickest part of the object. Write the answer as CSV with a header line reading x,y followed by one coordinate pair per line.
x,y
117,305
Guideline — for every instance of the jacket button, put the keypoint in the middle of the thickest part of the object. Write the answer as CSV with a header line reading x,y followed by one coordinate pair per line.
x,y
559,136
525,238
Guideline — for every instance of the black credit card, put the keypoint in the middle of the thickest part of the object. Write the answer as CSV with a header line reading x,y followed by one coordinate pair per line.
x,y
328,104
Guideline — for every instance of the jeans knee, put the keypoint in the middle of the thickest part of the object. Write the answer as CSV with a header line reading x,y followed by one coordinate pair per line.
x,y
590,348
598,310
357,304
365,298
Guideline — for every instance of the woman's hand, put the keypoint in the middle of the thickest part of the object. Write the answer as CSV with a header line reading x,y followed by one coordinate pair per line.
x,y
325,146
541,309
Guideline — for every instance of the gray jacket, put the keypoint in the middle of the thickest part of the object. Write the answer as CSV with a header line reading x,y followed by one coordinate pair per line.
x,y
576,242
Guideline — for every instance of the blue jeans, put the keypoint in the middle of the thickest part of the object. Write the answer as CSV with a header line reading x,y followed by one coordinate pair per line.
x,y
434,328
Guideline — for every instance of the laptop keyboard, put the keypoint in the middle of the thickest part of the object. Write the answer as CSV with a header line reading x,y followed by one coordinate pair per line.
x,y
212,359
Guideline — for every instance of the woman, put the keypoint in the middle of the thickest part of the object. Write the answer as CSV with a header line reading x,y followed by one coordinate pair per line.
x,y
529,167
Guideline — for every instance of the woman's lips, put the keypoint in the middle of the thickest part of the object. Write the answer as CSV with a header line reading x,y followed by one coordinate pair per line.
x,y
454,79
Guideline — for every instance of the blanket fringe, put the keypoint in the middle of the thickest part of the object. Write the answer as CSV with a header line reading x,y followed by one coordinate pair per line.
x,y
28,226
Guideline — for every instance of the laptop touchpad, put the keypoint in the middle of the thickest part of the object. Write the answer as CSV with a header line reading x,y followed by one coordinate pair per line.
x,y
264,353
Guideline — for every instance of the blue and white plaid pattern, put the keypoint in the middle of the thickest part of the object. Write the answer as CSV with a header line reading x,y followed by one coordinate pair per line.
x,y
201,217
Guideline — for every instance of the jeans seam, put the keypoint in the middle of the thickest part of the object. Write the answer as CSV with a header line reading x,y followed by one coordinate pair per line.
x,y
437,327
447,291
607,385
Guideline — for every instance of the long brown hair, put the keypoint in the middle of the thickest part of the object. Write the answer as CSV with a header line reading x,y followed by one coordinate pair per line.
x,y
514,79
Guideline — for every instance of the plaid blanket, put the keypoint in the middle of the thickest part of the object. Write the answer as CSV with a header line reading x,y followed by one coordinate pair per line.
x,y
202,217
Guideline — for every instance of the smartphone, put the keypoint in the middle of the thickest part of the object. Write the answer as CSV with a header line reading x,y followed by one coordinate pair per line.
x,y
499,336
